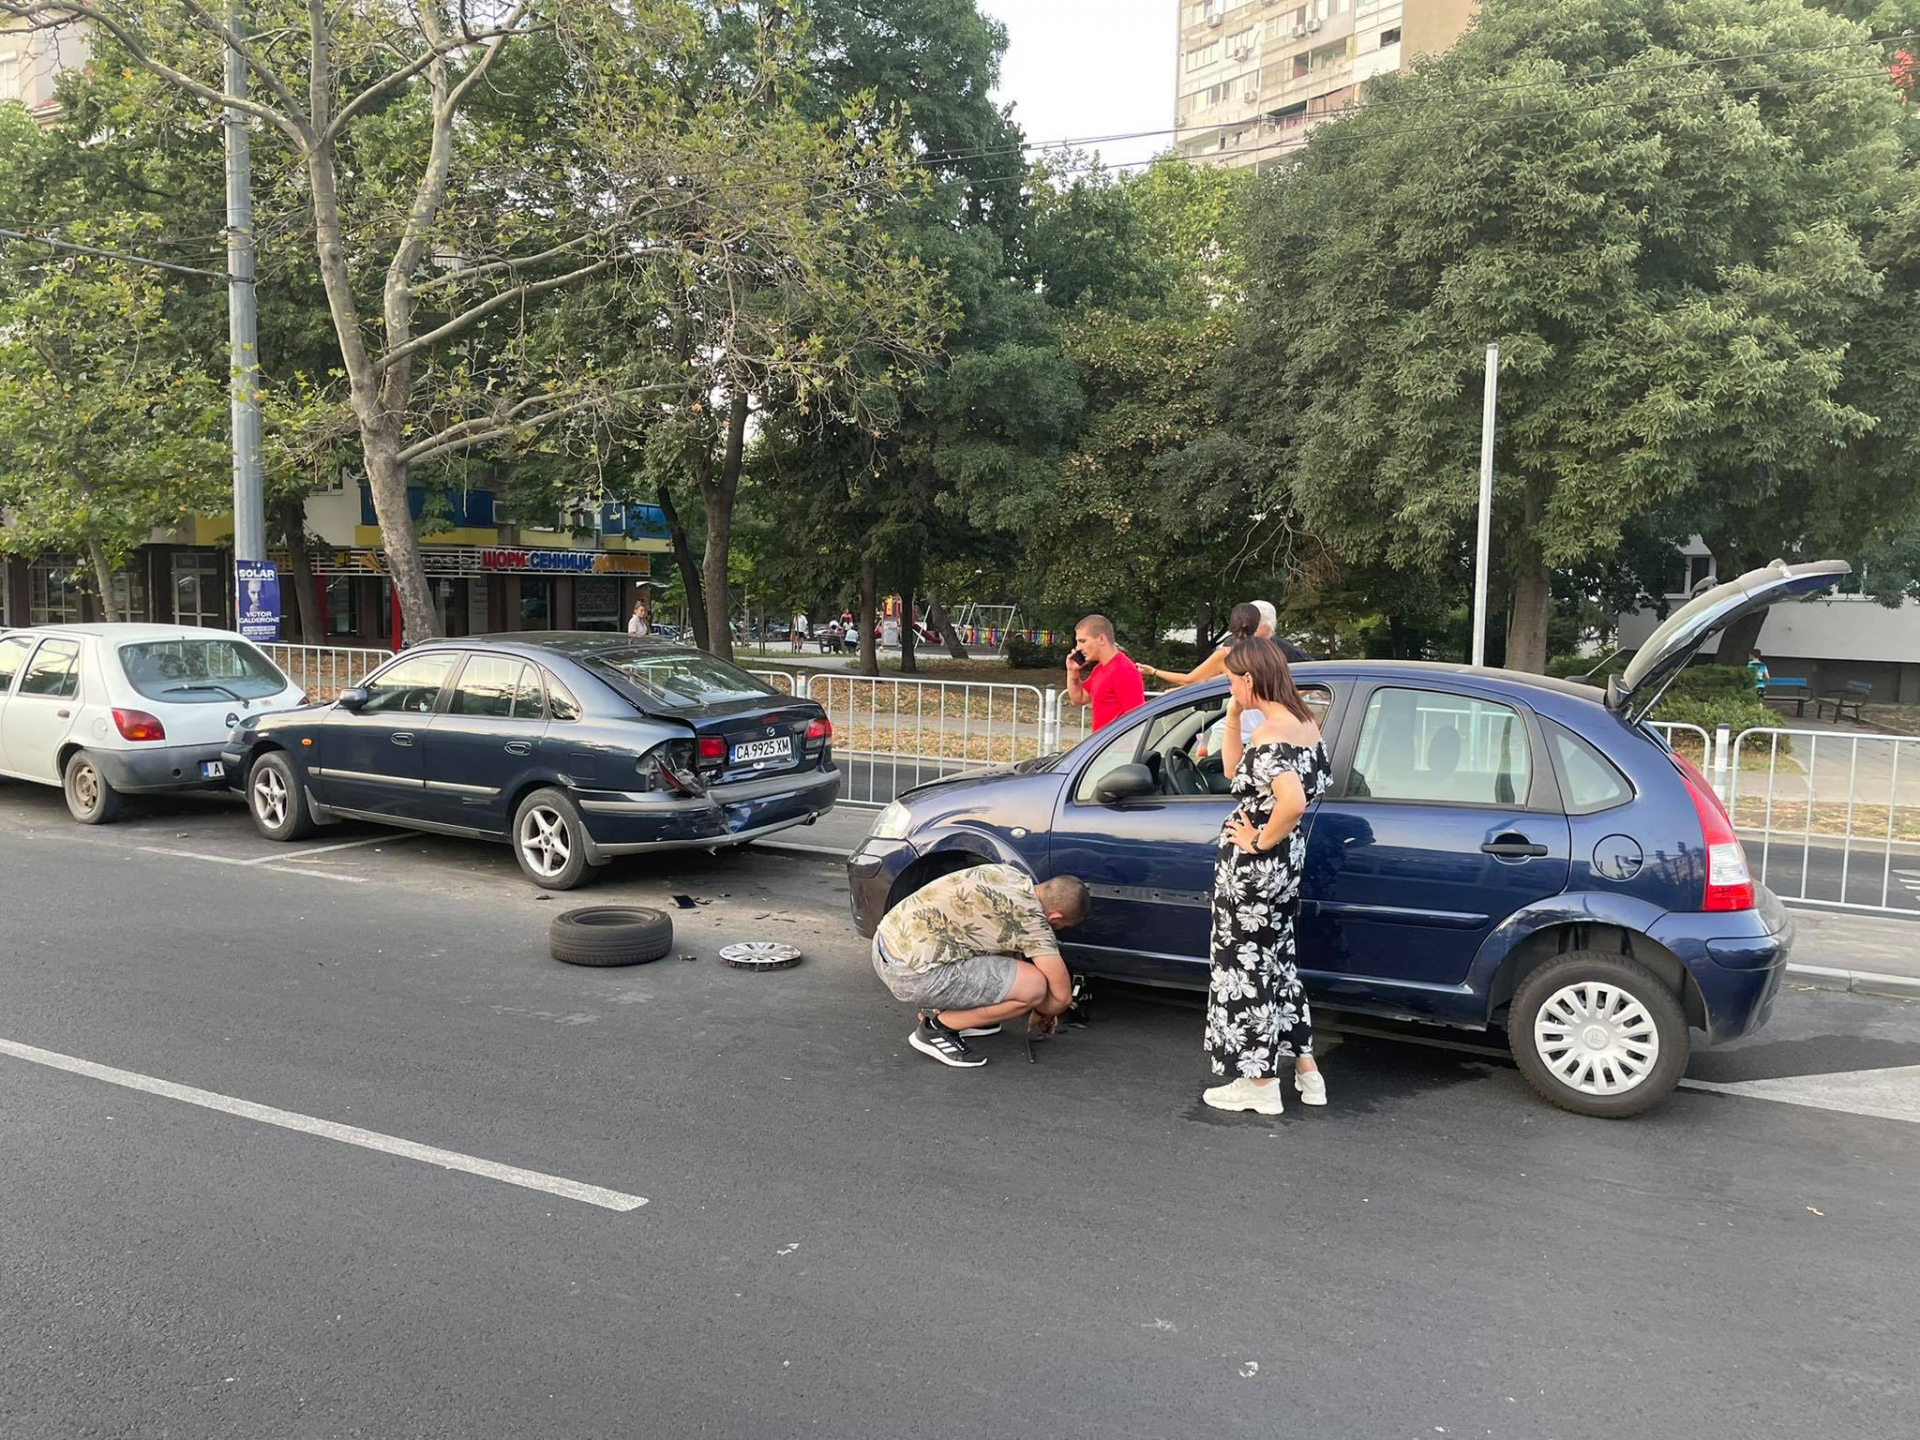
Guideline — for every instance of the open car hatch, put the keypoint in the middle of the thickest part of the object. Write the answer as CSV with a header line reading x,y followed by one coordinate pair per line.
x,y
1669,648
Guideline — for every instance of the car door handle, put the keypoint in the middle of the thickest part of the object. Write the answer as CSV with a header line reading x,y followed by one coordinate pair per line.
x,y
1513,847
64,714
519,747
403,738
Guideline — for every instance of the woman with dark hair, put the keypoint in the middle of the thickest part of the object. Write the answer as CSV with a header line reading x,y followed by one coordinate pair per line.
x,y
1257,1014
1242,624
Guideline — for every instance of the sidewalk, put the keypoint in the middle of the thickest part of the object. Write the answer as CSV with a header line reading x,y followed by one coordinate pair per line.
x,y
1832,950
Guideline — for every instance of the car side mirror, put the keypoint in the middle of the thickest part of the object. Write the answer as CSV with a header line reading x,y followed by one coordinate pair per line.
x,y
1128,782
352,698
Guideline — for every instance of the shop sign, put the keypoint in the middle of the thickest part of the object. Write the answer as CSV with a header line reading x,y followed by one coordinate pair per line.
x,y
577,562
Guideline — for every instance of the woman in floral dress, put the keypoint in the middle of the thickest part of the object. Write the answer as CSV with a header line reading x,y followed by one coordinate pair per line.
x,y
1257,1015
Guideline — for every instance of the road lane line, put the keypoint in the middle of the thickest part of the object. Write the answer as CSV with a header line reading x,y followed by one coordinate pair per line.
x,y
1890,1094
328,1129
291,855
191,855
274,863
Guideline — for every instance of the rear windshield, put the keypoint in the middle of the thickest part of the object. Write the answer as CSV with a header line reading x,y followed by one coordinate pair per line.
x,y
680,677
207,672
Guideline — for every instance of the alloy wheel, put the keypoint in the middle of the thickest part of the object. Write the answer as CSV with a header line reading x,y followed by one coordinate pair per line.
x,y
545,842
1596,1037
270,797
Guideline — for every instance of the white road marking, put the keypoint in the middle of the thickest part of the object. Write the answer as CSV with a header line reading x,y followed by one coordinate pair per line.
x,y
1892,1094
274,863
328,1129
392,839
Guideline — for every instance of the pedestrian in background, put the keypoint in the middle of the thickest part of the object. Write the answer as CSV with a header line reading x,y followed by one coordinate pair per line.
x,y
1248,619
1758,673
1257,1013
639,624
1100,674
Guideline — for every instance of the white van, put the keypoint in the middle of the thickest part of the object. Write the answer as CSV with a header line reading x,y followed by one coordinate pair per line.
x,y
108,710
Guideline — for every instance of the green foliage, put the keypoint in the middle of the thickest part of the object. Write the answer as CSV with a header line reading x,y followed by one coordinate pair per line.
x,y
1023,654
109,428
1674,263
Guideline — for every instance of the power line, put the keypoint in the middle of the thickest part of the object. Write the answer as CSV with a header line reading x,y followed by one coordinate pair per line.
x,y
53,244
1561,82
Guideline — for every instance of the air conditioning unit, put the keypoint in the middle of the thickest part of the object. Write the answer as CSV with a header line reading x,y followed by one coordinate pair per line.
x,y
1241,52
1313,25
500,513
1299,32
1216,19
1250,92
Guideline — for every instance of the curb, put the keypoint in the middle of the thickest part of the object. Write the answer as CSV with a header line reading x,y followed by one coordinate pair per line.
x,y
1856,982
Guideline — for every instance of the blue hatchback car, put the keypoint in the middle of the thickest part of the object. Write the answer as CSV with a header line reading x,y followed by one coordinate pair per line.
x,y
1496,848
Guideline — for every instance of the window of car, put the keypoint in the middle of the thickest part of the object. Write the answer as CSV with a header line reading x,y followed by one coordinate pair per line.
x,y
200,672
13,654
1123,749
1588,780
1182,747
54,670
486,687
409,686
560,702
682,679
526,694
1424,745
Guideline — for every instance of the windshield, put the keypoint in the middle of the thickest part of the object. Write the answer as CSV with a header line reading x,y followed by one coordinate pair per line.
x,y
686,679
207,672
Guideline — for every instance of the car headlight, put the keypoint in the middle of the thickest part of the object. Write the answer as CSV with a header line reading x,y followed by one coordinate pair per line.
x,y
894,823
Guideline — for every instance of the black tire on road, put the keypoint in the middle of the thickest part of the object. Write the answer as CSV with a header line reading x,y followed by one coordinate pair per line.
x,y
1599,1034
91,798
277,800
608,935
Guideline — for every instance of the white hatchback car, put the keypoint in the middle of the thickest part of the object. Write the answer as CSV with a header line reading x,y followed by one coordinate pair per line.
x,y
108,710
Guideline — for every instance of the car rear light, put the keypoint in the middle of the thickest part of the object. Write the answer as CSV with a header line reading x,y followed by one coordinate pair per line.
x,y
713,750
670,767
139,725
820,731
1729,883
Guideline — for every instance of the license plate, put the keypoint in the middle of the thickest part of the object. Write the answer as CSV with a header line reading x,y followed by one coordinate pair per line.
x,y
749,751
212,770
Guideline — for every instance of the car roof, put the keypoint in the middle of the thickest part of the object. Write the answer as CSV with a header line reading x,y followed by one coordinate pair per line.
x,y
572,644
1437,669
130,630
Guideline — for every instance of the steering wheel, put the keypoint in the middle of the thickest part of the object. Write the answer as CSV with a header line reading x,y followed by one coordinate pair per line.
x,y
1182,775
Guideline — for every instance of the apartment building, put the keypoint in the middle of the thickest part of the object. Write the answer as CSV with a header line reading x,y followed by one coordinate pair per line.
x,y
1255,76
31,61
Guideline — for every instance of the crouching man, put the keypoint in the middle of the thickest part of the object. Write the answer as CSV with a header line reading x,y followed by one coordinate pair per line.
x,y
975,949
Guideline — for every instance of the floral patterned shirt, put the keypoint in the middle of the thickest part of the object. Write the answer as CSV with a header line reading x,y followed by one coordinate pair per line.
x,y
985,910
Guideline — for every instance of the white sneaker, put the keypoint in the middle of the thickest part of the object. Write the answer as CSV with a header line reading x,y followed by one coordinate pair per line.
x,y
1243,1094
1312,1086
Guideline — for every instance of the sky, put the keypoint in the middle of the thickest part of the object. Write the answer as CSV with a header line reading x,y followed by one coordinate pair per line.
x,y
1078,68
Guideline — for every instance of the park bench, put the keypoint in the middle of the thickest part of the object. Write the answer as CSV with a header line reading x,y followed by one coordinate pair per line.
x,y
1784,690
1851,698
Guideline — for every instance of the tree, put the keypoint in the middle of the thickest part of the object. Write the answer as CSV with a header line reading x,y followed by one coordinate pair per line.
x,y
464,169
109,428
1671,254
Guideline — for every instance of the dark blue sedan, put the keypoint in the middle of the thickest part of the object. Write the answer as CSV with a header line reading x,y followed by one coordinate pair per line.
x,y
573,747
1495,848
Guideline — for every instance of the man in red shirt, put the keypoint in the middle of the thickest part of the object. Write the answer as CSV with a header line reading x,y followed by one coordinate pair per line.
x,y
1108,679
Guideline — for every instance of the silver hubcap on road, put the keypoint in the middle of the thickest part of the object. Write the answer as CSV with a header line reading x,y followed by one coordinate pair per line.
x,y
1596,1037
86,788
270,798
544,840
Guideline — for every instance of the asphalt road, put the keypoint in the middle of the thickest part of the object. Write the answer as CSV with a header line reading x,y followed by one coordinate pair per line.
x,y
841,1238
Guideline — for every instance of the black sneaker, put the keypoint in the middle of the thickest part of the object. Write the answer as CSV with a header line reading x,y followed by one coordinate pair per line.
x,y
930,1037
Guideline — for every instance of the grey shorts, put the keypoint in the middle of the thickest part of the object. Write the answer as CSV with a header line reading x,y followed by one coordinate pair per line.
x,y
964,985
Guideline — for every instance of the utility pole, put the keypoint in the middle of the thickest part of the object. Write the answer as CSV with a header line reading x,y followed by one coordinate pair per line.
x,y
1486,507
249,504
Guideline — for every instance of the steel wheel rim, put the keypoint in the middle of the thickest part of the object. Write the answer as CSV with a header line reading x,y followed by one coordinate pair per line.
x,y
86,787
545,842
1596,1038
270,797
